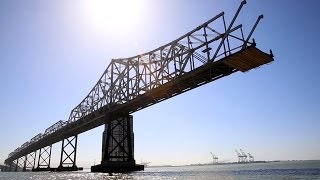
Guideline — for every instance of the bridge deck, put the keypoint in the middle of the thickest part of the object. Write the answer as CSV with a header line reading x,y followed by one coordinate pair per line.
x,y
246,60
243,60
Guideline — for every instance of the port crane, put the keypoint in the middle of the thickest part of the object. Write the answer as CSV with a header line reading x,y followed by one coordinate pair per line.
x,y
214,158
251,158
245,157
240,157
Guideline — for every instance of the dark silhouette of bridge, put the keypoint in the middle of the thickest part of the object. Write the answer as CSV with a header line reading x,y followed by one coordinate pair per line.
x,y
211,51
3,168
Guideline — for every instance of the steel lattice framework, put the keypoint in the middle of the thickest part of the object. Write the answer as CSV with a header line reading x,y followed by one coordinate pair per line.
x,y
126,79
120,140
44,158
30,161
68,152
211,51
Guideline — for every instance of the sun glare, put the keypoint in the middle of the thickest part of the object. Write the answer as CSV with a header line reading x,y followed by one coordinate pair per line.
x,y
114,14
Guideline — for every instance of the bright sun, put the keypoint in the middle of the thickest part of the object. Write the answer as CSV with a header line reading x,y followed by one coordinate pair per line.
x,y
114,13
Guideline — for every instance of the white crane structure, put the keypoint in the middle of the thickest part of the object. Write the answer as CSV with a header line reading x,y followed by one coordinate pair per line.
x,y
240,157
244,155
251,158
214,158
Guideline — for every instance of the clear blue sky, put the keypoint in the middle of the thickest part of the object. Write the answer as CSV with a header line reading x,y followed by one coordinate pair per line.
x,y
53,52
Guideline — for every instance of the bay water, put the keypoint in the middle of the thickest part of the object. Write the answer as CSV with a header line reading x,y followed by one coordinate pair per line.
x,y
272,170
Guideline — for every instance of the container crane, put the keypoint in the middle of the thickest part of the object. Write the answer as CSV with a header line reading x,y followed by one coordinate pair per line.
x,y
251,158
214,158
244,155
240,157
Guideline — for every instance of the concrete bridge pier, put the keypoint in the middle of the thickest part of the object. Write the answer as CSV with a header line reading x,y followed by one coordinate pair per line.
x,y
118,146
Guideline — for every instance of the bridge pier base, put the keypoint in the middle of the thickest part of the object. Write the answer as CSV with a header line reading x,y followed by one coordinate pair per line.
x,y
118,147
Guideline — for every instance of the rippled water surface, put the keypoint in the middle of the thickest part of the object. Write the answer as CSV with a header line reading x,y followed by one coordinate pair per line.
x,y
276,170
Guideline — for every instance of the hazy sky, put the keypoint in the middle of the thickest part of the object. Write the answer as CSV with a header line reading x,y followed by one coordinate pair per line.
x,y
53,52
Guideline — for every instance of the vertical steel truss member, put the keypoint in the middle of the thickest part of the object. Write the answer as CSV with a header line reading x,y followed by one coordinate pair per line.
x,y
44,158
30,161
11,165
19,164
68,154
16,165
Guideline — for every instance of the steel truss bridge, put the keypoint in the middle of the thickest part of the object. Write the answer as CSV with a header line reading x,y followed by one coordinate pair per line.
x,y
211,51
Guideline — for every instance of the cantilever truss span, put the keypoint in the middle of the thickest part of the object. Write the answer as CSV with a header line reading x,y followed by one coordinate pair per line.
x,y
211,51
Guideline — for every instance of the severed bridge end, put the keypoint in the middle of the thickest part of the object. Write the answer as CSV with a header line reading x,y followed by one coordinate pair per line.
x,y
248,59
